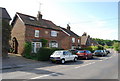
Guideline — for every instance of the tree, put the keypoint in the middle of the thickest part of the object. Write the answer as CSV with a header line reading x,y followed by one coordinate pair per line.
x,y
116,46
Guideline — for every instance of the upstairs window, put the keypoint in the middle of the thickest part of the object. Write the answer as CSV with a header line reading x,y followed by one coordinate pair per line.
x,y
73,40
37,33
54,33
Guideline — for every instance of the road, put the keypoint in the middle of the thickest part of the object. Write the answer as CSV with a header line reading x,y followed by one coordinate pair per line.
x,y
96,68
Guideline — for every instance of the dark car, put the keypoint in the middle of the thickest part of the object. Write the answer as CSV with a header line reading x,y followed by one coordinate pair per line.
x,y
100,53
107,51
84,54
73,51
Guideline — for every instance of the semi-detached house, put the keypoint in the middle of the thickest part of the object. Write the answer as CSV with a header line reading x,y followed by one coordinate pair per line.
x,y
32,29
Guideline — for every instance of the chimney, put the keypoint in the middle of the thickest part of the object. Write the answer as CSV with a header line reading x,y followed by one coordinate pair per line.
x,y
68,27
84,34
39,16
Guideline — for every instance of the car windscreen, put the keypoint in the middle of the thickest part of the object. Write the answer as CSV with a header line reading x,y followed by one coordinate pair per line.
x,y
57,52
81,51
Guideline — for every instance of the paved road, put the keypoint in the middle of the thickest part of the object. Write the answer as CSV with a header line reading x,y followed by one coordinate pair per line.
x,y
97,68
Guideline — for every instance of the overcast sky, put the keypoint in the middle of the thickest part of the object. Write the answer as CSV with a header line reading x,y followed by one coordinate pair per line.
x,y
98,19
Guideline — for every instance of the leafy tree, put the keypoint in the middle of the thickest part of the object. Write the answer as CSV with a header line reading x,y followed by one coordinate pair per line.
x,y
116,46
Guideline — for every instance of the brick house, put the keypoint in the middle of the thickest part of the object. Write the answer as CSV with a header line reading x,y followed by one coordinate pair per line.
x,y
74,39
87,41
27,28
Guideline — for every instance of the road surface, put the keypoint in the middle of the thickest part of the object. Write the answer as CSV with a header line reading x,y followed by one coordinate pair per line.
x,y
96,68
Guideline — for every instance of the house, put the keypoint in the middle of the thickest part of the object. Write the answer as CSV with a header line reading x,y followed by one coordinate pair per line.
x,y
5,31
32,29
86,41
73,39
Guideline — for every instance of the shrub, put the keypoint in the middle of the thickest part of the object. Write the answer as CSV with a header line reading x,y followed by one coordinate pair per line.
x,y
44,42
116,46
27,50
44,53
100,47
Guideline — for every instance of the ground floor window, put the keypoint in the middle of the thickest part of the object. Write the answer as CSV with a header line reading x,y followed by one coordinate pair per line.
x,y
36,46
53,44
73,47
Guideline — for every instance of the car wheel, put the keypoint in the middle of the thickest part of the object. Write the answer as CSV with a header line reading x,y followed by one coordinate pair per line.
x,y
62,61
75,59
91,57
86,57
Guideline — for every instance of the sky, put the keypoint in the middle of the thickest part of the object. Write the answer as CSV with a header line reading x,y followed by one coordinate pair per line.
x,y
99,19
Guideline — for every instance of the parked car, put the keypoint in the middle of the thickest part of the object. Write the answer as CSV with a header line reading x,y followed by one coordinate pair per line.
x,y
84,54
63,56
100,53
73,51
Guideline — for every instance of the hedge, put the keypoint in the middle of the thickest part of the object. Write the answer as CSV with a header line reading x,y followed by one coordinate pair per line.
x,y
44,53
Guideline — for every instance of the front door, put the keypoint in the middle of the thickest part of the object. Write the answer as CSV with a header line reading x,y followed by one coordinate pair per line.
x,y
36,46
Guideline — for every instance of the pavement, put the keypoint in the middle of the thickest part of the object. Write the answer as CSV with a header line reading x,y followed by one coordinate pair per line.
x,y
17,61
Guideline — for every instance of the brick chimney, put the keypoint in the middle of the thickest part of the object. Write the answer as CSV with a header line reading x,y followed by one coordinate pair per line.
x,y
84,34
68,27
39,16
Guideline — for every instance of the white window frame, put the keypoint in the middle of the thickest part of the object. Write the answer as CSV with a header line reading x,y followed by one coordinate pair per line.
x,y
37,33
53,44
73,40
78,40
73,47
54,33
34,48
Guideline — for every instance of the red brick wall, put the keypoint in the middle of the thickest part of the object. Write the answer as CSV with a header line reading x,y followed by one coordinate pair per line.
x,y
62,38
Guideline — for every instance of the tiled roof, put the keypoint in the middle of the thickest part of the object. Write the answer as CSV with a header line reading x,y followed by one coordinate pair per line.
x,y
31,20
4,14
71,33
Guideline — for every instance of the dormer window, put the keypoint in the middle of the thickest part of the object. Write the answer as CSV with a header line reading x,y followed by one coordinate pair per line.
x,y
54,33
31,18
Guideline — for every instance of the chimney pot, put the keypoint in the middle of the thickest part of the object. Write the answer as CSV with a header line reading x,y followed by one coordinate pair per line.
x,y
68,27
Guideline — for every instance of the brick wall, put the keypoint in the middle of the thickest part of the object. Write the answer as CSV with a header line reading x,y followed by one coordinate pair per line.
x,y
62,38
18,31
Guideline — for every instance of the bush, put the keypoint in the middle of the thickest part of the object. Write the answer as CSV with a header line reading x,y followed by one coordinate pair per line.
x,y
93,48
44,53
44,42
100,47
116,46
27,50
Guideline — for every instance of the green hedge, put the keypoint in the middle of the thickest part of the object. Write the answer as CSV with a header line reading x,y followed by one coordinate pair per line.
x,y
44,53
93,48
